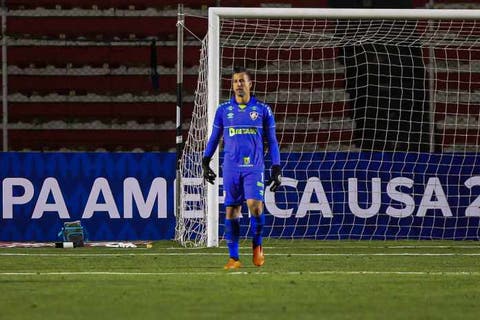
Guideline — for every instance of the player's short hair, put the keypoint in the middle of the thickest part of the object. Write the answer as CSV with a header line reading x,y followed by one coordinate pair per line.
x,y
240,69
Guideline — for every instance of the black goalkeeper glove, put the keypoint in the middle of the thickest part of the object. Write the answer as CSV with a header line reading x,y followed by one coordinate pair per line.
x,y
275,178
208,173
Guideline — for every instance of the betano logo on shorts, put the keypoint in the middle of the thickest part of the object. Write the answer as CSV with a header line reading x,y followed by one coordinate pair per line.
x,y
233,131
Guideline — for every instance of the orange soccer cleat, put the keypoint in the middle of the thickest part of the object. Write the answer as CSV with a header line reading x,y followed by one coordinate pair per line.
x,y
258,257
232,264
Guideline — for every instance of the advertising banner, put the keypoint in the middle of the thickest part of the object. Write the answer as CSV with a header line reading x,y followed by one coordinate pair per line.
x,y
332,195
375,195
117,196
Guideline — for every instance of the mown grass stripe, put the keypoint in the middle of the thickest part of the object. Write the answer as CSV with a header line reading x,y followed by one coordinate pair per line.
x,y
13,254
193,273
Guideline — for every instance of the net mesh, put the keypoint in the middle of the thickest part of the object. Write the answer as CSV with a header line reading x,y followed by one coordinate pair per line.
x,y
192,223
377,120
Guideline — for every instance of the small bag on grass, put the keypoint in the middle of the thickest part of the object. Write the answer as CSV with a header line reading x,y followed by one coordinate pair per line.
x,y
73,231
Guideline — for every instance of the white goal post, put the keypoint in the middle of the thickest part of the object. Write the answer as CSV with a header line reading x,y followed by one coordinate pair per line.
x,y
376,121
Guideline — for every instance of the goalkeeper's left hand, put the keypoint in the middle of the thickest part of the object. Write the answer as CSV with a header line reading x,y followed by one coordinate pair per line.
x,y
275,178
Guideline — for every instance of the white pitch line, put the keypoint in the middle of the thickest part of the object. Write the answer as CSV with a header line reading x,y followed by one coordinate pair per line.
x,y
346,247
335,272
379,247
223,254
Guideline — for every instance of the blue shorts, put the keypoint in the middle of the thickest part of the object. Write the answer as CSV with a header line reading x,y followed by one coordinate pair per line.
x,y
240,186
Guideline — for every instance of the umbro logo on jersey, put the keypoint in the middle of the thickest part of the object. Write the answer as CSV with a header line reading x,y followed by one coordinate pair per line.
x,y
254,115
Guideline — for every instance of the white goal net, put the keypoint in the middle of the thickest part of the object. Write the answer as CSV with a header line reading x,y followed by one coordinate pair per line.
x,y
377,119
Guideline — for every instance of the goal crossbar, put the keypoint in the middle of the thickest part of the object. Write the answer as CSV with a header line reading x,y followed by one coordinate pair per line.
x,y
307,13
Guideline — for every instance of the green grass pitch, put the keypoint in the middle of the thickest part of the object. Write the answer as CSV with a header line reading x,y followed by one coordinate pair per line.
x,y
301,279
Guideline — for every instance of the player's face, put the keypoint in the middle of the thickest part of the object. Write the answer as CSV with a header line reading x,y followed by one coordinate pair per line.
x,y
241,84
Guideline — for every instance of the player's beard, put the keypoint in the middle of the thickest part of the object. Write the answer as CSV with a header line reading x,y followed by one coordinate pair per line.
x,y
240,93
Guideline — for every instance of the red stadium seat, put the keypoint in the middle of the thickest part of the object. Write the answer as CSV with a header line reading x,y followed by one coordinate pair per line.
x,y
273,3
163,28
90,140
99,55
105,4
100,84
104,111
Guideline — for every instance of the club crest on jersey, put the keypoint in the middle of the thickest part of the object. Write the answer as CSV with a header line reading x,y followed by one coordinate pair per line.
x,y
254,115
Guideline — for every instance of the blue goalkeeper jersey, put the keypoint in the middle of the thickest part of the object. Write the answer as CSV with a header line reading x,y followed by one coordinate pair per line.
x,y
244,128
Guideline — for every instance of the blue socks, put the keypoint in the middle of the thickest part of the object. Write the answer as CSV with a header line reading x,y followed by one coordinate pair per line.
x,y
232,234
256,225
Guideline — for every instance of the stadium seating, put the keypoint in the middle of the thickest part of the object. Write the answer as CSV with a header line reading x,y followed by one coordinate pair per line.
x,y
453,4
105,4
79,75
97,56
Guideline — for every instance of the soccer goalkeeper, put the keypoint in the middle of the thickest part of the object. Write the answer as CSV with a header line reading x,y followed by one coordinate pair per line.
x,y
244,122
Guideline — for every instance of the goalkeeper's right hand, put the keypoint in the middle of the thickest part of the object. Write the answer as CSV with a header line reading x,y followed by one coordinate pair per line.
x,y
208,173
